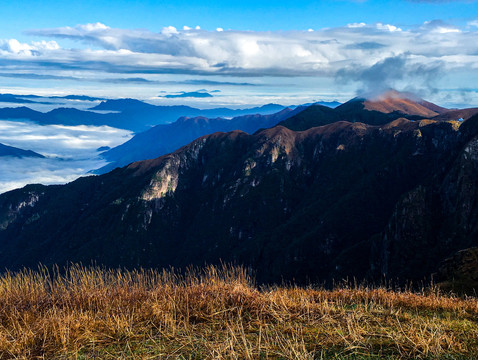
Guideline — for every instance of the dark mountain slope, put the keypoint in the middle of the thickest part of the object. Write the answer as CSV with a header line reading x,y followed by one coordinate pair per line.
x,y
293,205
315,115
436,217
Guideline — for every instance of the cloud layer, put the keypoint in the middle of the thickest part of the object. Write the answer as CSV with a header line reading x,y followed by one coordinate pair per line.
x,y
325,52
71,152
358,57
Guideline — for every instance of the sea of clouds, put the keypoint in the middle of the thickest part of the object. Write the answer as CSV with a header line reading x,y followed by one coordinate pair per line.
x,y
70,151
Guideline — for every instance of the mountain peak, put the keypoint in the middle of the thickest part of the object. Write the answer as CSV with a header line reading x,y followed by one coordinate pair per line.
x,y
407,103
390,94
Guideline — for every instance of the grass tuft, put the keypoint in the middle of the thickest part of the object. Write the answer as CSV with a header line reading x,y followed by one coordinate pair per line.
x,y
218,313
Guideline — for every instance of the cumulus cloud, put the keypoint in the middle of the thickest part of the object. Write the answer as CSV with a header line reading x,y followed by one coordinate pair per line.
x,y
326,52
439,26
391,71
71,151
13,46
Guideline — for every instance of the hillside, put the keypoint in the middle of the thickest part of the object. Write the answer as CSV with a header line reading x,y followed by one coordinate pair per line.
x,y
220,313
329,202
163,139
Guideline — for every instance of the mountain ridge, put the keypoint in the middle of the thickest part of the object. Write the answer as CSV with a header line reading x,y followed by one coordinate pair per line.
x,y
133,115
162,139
275,200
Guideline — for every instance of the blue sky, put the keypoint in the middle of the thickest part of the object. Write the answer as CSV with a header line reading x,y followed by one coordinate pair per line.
x,y
265,53
256,15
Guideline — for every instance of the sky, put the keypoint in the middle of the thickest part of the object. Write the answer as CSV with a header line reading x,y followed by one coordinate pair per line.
x,y
241,52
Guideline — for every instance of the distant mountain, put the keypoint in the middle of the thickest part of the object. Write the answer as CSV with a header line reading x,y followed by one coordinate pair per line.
x,y
124,105
19,113
16,152
384,108
162,139
402,102
343,199
378,110
173,112
194,94
10,98
129,114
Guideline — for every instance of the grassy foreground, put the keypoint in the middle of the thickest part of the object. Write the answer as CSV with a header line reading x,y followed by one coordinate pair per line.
x,y
89,313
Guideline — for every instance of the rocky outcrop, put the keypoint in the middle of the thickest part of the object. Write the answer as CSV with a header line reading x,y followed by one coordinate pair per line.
x,y
437,218
460,272
16,206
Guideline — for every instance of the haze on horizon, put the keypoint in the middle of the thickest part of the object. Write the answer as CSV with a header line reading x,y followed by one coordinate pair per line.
x,y
256,53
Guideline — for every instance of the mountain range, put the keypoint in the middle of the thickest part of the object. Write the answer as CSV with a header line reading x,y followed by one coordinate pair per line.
x,y
392,105
356,199
163,139
127,114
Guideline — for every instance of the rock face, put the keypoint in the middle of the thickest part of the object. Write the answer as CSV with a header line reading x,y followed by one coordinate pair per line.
x,y
436,218
460,272
344,199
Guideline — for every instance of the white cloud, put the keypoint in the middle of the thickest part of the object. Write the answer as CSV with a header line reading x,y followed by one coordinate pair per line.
x,y
169,30
93,27
356,25
67,141
473,23
16,173
219,29
321,53
71,151
34,48
388,27
438,26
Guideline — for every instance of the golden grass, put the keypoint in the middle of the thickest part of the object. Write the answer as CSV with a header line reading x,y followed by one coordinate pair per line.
x,y
90,313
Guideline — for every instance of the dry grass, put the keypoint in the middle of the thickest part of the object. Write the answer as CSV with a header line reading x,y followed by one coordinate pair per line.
x,y
89,313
